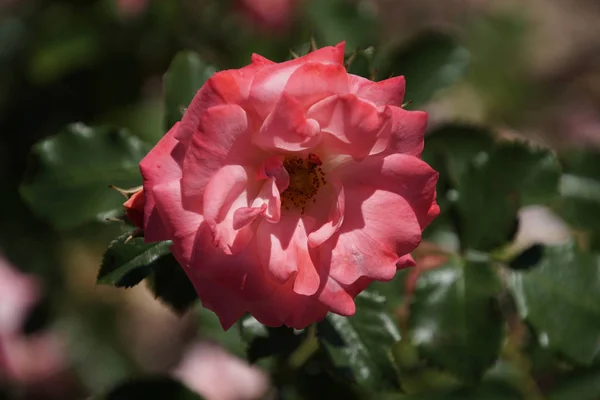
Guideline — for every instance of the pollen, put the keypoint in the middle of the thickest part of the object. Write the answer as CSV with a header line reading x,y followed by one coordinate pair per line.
x,y
306,177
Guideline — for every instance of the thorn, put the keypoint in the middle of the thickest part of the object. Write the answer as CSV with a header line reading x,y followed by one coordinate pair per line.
x,y
374,74
115,219
128,238
407,103
351,58
313,43
126,192
294,54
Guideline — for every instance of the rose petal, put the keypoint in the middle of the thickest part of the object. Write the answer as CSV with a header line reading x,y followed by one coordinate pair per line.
x,y
226,192
180,224
312,82
283,251
223,139
334,218
389,92
407,176
272,168
353,125
161,165
287,129
337,299
407,132
223,88
379,227
269,82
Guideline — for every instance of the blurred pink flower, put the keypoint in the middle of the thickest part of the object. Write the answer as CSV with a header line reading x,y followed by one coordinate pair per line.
x,y
18,293
24,360
270,15
130,8
217,375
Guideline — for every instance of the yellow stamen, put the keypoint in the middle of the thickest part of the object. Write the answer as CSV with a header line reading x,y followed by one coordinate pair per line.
x,y
306,177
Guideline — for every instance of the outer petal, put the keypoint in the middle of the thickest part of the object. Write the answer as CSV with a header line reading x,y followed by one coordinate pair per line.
x,y
379,227
270,82
224,139
337,299
407,176
225,87
352,124
407,132
181,225
287,129
389,92
230,285
134,208
161,165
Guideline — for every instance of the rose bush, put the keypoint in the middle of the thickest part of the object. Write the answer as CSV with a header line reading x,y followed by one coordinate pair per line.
x,y
288,187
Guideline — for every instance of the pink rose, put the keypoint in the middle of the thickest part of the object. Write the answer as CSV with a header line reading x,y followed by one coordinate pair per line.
x,y
288,187
269,14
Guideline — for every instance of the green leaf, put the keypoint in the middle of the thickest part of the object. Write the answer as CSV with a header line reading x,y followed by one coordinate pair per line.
x,y
171,285
430,62
455,320
150,388
451,148
184,78
496,185
125,264
209,327
580,385
265,342
529,258
334,21
579,204
360,62
560,298
486,391
67,178
362,343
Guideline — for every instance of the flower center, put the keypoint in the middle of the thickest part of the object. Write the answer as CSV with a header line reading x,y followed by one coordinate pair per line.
x,y
306,177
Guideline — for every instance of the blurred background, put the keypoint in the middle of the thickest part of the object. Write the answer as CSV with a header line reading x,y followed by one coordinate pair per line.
x,y
525,67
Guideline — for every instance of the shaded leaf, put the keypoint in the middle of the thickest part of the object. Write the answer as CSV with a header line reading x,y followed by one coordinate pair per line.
x,y
455,321
185,77
125,264
579,204
68,175
560,298
150,388
528,258
209,327
580,385
450,149
486,391
361,344
171,285
496,185
264,342
430,62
